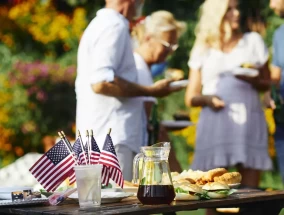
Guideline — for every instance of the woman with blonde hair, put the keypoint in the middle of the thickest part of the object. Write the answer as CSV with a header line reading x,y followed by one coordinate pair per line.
x,y
231,129
156,38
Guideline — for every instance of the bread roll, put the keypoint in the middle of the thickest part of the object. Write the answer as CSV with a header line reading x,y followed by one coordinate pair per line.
x,y
211,174
229,178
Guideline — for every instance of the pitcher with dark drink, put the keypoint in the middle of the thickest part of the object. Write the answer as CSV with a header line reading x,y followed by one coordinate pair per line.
x,y
155,182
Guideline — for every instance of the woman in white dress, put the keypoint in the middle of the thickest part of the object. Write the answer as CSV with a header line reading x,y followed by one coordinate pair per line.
x,y
231,129
156,38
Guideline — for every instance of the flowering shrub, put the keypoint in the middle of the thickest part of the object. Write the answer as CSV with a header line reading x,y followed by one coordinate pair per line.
x,y
46,25
37,99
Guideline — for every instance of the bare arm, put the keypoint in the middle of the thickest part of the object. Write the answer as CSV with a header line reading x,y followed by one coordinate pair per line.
x,y
123,88
275,74
194,88
193,96
263,82
120,88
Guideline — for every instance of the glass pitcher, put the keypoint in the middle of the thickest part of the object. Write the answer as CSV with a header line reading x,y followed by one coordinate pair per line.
x,y
155,182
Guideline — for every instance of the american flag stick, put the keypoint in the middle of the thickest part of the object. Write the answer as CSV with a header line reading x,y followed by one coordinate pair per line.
x,y
89,146
66,140
68,145
82,147
109,131
91,134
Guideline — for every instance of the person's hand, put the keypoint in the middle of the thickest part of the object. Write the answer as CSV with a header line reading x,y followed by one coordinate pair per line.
x,y
162,88
268,101
215,102
250,80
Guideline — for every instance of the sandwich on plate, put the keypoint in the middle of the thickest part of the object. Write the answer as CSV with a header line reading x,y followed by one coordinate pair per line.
x,y
217,190
187,192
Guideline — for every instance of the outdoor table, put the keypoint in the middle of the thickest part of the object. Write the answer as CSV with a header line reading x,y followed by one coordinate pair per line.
x,y
250,201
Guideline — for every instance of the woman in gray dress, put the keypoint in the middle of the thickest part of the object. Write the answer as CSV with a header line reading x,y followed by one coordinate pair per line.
x,y
231,129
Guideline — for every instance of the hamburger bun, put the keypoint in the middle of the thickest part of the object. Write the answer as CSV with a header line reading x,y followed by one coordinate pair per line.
x,y
191,190
211,174
229,178
213,189
215,186
186,197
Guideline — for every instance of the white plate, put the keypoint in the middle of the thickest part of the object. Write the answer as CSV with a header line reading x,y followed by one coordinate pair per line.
x,y
26,202
5,192
179,124
107,197
234,186
246,72
181,83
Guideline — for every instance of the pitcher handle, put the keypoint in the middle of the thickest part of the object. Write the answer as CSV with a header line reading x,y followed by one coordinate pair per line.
x,y
136,160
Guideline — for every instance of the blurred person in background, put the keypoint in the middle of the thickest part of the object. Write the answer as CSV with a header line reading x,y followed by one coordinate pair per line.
x,y
106,82
232,130
277,76
156,37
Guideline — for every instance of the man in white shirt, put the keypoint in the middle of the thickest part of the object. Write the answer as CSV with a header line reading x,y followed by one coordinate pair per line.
x,y
105,84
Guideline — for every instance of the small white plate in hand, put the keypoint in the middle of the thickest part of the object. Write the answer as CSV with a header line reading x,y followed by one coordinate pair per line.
x,y
179,124
246,72
181,83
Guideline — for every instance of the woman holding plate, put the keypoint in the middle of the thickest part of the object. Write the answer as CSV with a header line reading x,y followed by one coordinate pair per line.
x,y
231,129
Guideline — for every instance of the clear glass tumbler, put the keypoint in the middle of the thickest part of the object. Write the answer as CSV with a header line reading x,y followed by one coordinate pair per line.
x,y
88,178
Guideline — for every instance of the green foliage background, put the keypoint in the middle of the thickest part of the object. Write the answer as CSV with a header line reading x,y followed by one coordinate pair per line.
x,y
14,100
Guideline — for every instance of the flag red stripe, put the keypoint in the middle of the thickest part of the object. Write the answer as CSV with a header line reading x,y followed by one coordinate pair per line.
x,y
58,178
105,154
57,172
109,163
72,178
116,176
53,169
36,163
41,166
82,158
58,181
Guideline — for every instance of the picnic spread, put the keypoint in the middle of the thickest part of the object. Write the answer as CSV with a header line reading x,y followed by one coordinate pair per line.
x,y
95,185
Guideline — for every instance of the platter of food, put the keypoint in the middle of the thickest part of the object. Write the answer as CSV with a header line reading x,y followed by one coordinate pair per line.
x,y
195,185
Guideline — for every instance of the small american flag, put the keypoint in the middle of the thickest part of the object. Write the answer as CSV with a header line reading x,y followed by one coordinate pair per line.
x,y
94,152
53,167
109,159
72,178
80,152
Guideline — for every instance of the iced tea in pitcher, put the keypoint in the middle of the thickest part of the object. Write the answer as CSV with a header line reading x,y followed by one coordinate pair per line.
x,y
155,183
